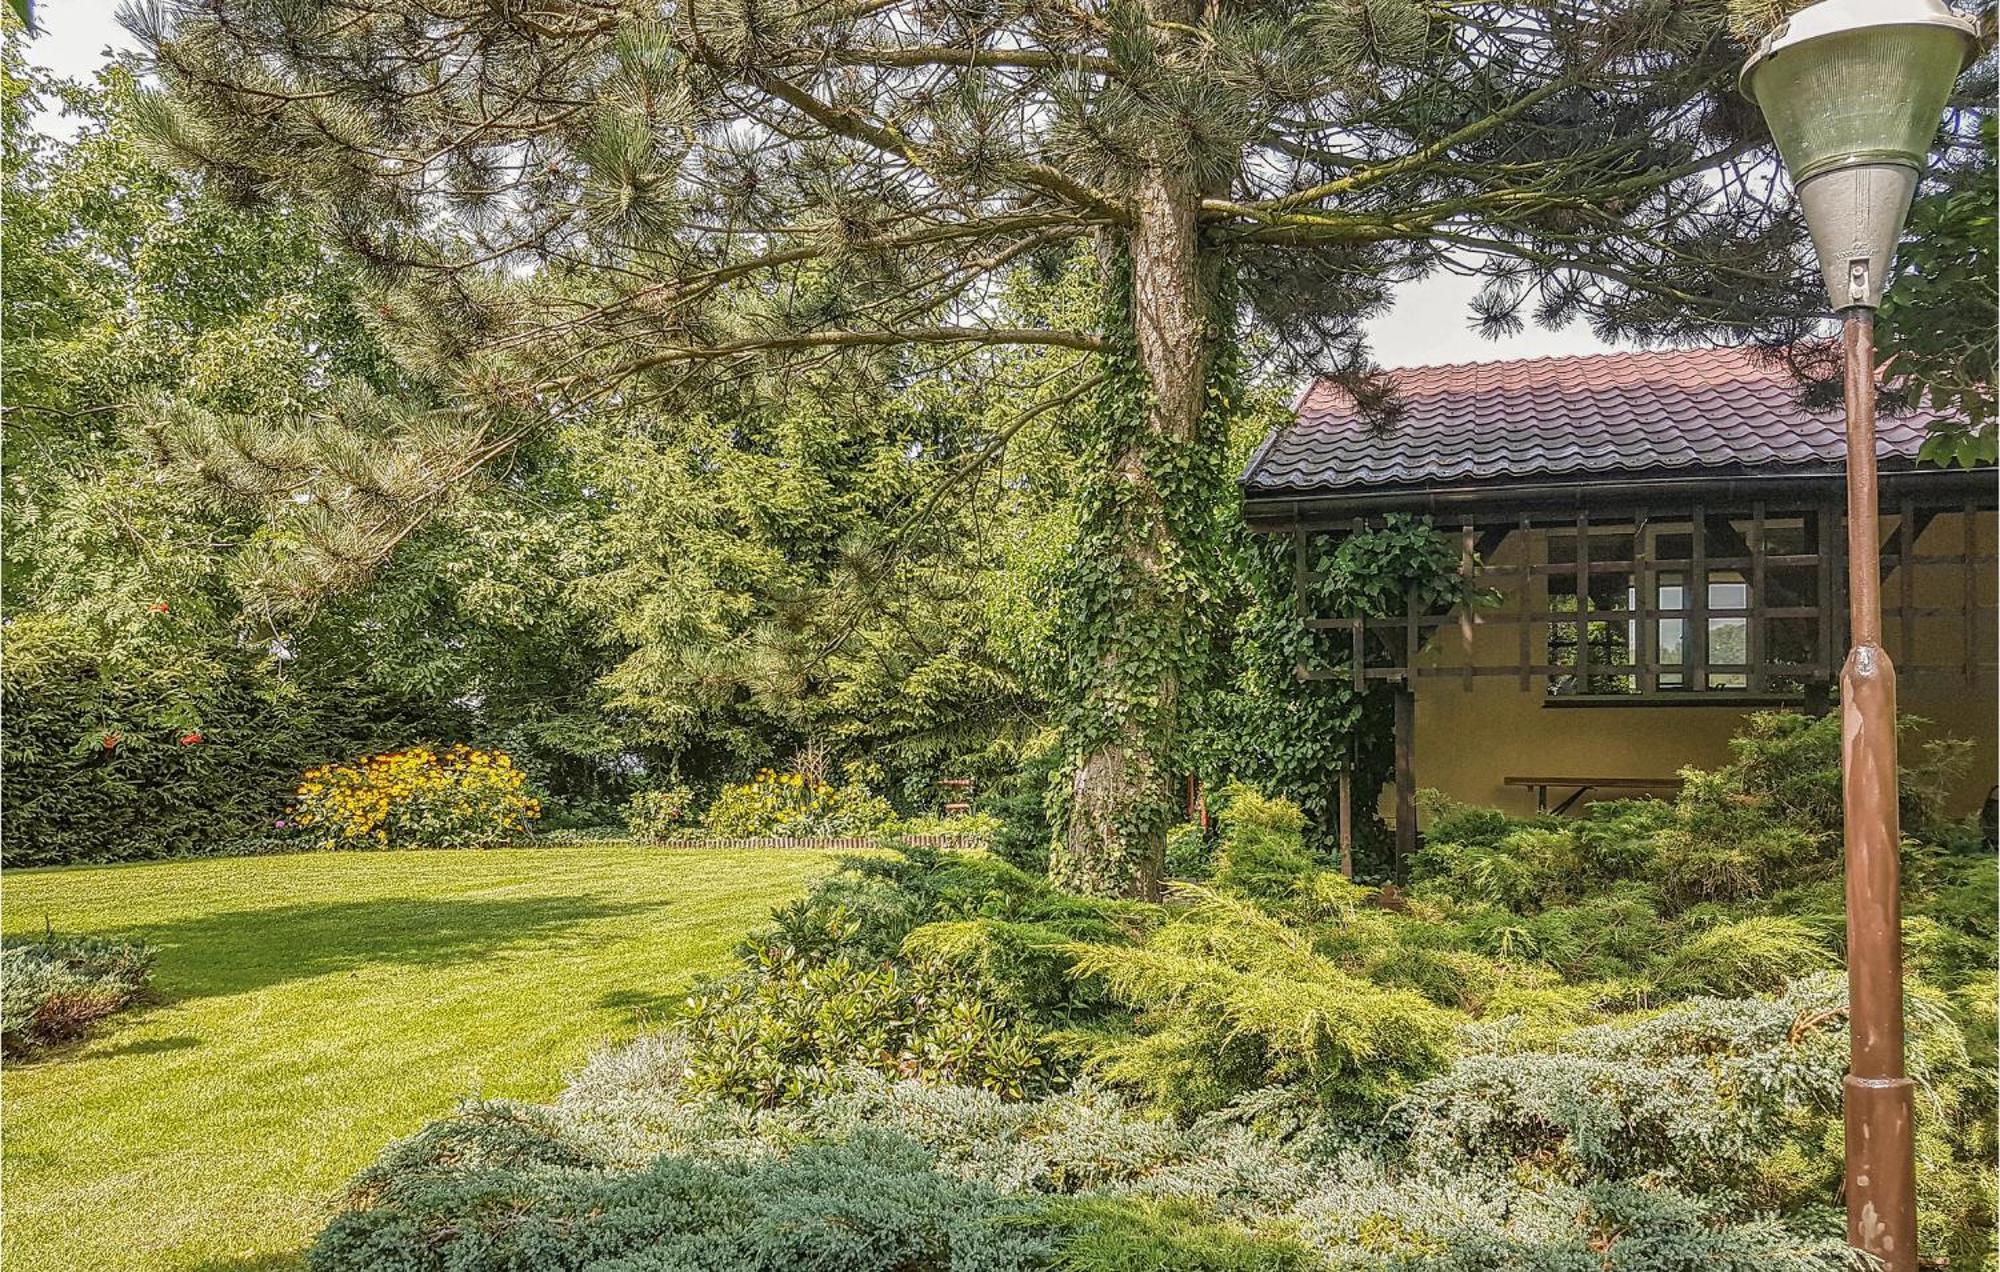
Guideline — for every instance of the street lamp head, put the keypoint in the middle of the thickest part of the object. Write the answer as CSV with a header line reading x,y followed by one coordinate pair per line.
x,y
1852,90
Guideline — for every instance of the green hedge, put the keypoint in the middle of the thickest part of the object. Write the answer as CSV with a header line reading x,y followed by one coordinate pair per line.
x,y
122,749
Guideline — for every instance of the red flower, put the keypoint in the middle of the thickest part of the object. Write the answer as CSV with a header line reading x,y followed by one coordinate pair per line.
x,y
160,607
111,740
190,737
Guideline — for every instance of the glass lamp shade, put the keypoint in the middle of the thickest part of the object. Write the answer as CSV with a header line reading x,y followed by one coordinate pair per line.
x,y
1852,90
1858,81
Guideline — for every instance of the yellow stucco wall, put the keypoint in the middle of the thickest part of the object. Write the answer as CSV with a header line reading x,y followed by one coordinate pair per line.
x,y
1473,733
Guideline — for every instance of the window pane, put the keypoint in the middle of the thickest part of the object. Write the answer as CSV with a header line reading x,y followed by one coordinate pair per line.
x,y
1672,593
1728,642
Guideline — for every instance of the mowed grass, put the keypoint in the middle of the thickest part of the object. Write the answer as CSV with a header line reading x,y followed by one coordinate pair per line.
x,y
309,1009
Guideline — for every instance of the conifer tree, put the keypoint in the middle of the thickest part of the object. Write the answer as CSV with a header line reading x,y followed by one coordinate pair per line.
x,y
582,205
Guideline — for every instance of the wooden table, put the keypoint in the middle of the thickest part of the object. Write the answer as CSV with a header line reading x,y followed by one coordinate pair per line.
x,y
1584,785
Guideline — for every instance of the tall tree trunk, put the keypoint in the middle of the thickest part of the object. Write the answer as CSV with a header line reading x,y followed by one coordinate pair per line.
x,y
1115,840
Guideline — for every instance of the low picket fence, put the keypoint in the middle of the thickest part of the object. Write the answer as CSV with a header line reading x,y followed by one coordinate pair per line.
x,y
826,843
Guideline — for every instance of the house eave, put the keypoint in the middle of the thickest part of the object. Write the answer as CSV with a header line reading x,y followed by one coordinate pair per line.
x,y
1587,492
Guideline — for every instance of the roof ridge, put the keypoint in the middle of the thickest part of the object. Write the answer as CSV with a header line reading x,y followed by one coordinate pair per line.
x,y
1602,355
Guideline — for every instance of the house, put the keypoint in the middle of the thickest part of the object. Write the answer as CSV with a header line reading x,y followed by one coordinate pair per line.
x,y
1687,509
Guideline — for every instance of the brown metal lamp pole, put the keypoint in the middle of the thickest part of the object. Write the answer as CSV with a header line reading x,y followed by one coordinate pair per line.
x,y
1852,90
1881,1165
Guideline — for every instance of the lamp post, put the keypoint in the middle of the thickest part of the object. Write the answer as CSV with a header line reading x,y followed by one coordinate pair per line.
x,y
1852,90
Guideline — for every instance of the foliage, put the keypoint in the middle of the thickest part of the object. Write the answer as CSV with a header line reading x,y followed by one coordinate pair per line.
x,y
1941,352
154,744
1539,1058
791,1025
1230,1000
1754,955
1188,852
1022,805
660,813
750,204
1292,738
53,989
872,907
791,804
460,797
942,964
494,1188
1134,635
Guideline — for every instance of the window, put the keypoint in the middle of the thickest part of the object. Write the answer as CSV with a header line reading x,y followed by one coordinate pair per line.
x,y
1710,603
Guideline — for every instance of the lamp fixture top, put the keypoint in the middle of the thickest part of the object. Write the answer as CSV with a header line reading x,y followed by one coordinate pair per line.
x,y
1839,17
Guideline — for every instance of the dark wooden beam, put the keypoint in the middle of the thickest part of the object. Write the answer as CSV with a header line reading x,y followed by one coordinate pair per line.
x,y
1406,780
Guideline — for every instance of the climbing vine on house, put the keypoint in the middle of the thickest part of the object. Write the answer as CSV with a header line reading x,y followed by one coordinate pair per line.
x,y
1296,734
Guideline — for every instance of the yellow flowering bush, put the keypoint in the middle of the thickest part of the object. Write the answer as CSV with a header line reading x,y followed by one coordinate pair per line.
x,y
787,804
416,798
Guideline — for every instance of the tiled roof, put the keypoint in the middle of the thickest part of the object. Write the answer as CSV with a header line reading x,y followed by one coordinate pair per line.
x,y
1688,412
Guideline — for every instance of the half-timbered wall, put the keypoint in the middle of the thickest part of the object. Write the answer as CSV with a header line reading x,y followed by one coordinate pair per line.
x,y
1687,613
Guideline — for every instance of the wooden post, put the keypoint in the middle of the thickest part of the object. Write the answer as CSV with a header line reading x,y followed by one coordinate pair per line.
x,y
1347,820
1406,778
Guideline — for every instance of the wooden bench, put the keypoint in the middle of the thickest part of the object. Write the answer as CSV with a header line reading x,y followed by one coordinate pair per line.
x,y
1584,785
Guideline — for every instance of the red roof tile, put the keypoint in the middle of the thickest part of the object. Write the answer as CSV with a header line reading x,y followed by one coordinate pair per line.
x,y
1720,411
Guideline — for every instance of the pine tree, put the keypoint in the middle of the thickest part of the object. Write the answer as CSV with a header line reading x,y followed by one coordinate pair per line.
x,y
573,205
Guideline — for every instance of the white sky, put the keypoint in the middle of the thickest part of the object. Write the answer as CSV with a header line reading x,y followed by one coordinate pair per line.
x,y
1431,321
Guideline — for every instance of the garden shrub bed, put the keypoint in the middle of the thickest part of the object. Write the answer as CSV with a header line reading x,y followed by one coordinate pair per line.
x,y
52,990
1612,1042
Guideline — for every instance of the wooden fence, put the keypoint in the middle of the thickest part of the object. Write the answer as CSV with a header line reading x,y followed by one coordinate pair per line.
x,y
827,843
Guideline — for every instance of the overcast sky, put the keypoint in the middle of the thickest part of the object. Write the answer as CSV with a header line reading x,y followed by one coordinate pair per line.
x,y
1431,321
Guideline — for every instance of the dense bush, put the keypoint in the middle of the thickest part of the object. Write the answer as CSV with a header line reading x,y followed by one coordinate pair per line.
x,y
1188,853
496,1187
790,805
459,797
791,1026
660,813
128,746
1085,1181
53,989
943,965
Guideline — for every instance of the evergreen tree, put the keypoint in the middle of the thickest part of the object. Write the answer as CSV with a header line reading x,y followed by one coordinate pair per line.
x,y
574,206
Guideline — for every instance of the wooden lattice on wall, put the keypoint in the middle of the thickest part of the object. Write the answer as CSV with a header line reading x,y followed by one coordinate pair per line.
x,y
1746,600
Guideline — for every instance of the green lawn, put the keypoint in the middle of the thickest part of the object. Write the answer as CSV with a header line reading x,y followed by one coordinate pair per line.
x,y
309,1009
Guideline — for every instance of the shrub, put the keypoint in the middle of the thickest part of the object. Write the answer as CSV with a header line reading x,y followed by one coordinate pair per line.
x,y
788,1029
122,747
416,798
1021,803
1757,955
52,990
1231,1000
662,813
1188,855
790,805
1701,1093
500,1187
867,908
1262,852
1078,1179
